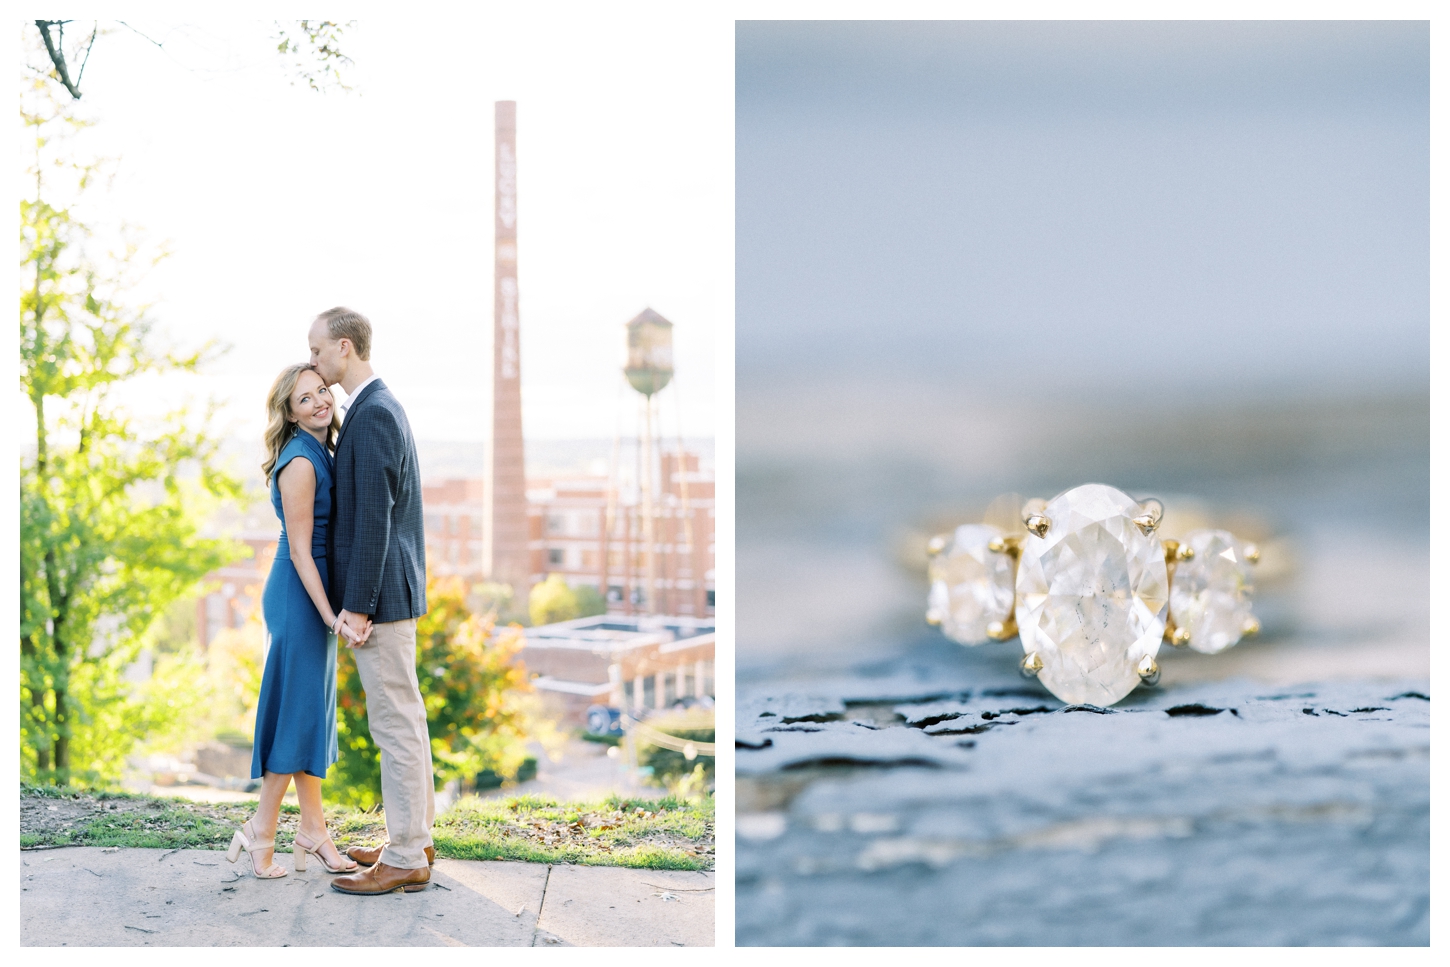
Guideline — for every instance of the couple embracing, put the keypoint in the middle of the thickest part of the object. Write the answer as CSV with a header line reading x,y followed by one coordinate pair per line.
x,y
350,568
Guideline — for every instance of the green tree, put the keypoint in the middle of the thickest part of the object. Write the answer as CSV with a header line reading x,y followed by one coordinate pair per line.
x,y
553,600
109,507
473,689
589,601
497,598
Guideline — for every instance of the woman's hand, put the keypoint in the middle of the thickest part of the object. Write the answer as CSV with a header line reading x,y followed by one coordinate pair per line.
x,y
351,636
356,627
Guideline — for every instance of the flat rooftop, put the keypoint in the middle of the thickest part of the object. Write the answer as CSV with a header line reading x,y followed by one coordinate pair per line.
x,y
613,633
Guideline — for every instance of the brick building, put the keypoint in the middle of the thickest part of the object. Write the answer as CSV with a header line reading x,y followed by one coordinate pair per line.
x,y
240,593
578,530
640,664
575,529
453,527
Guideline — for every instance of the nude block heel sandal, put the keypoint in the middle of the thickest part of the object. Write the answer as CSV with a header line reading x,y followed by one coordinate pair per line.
x,y
301,846
240,842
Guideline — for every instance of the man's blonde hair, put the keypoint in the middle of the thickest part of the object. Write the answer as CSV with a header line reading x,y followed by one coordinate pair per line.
x,y
344,323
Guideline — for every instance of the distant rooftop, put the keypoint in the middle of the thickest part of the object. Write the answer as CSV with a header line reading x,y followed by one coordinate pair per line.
x,y
616,633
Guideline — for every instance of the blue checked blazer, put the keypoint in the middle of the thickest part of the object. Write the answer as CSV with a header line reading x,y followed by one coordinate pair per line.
x,y
375,550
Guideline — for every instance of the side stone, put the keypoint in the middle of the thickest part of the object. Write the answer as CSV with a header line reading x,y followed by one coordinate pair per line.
x,y
971,585
1213,591
1092,595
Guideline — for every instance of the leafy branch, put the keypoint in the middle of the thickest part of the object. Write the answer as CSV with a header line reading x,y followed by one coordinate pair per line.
x,y
315,47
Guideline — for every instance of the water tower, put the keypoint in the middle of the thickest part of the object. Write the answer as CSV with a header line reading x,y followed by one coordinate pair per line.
x,y
651,353
650,366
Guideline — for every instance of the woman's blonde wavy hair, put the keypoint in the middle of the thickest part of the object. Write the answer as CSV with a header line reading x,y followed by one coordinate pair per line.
x,y
280,428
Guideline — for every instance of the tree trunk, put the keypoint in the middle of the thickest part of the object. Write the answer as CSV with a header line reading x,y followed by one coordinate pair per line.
x,y
42,747
42,460
37,701
59,714
62,740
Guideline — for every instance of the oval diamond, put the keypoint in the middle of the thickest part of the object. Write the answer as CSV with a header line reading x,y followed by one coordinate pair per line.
x,y
971,585
1213,591
1092,595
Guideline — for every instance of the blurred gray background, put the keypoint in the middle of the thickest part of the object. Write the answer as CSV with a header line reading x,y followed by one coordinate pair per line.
x,y
1187,259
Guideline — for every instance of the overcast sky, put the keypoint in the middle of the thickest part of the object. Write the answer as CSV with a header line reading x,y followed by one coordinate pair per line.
x,y
279,202
1113,207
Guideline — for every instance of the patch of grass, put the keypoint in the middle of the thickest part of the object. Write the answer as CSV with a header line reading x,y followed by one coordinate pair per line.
x,y
669,833
663,834
47,792
51,816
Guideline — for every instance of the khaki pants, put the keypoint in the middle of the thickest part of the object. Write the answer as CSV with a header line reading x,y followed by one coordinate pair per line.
x,y
387,666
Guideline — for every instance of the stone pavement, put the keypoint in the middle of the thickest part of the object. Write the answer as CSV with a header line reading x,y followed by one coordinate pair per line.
x,y
88,896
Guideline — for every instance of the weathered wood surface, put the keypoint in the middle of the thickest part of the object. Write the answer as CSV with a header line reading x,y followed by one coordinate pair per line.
x,y
942,800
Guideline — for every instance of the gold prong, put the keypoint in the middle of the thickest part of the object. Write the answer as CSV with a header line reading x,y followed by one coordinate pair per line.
x,y
1251,553
1032,510
1038,524
1178,638
1148,670
1251,625
1146,524
1002,630
1031,664
1175,551
997,545
936,545
933,617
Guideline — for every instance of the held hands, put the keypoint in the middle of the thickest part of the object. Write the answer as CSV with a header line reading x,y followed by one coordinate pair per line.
x,y
353,629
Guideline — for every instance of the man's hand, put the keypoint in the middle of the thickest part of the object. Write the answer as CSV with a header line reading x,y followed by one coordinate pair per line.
x,y
356,628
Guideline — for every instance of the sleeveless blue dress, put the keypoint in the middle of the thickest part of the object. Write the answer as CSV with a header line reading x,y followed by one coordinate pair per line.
x,y
297,711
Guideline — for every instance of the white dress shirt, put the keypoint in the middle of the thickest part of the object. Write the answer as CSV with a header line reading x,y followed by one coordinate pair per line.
x,y
342,407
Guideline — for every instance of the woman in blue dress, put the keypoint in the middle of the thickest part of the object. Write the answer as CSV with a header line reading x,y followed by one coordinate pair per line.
x,y
296,733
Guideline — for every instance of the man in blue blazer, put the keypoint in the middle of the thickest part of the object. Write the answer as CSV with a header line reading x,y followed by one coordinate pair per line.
x,y
376,565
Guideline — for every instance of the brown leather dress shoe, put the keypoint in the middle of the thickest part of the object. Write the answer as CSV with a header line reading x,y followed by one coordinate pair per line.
x,y
368,855
381,878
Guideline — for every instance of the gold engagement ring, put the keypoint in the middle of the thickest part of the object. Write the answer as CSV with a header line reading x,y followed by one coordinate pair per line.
x,y
1092,590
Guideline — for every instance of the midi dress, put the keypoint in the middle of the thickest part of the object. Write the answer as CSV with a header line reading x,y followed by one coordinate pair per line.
x,y
296,727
